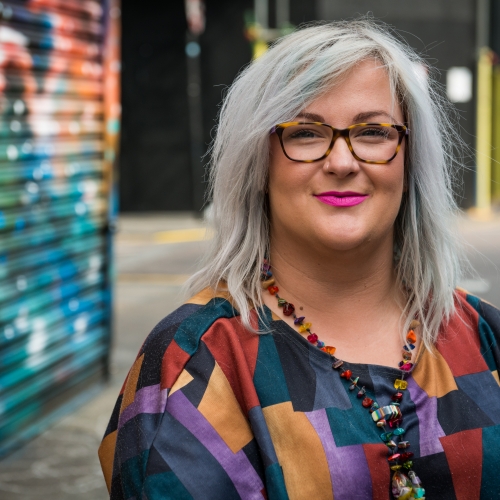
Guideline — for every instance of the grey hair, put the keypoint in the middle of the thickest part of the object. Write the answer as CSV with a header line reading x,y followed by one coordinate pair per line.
x,y
294,72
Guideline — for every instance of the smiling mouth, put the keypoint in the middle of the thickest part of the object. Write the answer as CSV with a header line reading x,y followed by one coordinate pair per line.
x,y
341,198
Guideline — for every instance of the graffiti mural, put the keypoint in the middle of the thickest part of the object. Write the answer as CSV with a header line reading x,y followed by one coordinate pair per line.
x,y
59,122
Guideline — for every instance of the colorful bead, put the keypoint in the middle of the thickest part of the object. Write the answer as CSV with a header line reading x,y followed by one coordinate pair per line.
x,y
409,347
395,422
400,384
391,444
361,392
385,436
328,349
411,337
347,374
267,283
390,411
406,355
406,455
273,289
418,493
354,384
381,423
399,431
313,338
299,320
395,467
408,464
288,309
407,367
404,444
305,327
367,402
338,363
281,302
414,323
401,486
397,397
393,457
415,480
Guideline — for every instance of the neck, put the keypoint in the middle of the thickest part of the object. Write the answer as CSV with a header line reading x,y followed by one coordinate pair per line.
x,y
349,296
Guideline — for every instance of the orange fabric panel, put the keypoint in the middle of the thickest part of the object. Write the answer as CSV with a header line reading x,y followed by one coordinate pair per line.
x,y
433,374
132,378
106,454
300,453
220,407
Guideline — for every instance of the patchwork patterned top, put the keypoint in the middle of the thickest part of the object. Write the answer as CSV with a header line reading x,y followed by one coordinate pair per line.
x,y
212,411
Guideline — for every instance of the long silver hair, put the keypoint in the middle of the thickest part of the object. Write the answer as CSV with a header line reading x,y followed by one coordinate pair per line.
x,y
295,71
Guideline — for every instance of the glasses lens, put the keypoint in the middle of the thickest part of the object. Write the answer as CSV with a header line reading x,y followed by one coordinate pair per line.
x,y
306,141
374,142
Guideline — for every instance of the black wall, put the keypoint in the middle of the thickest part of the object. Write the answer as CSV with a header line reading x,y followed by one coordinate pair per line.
x,y
155,162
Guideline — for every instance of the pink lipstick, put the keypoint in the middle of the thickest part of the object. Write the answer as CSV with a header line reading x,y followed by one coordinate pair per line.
x,y
341,198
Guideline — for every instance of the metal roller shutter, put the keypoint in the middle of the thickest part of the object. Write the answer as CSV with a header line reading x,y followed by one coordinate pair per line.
x,y
59,122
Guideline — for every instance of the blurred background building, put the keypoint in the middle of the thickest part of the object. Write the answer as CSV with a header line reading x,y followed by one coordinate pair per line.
x,y
171,95
61,184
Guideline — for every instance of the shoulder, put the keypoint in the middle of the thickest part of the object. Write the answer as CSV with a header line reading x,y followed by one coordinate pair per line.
x,y
206,321
470,340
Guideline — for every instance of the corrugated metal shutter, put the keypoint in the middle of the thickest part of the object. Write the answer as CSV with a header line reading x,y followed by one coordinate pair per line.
x,y
55,185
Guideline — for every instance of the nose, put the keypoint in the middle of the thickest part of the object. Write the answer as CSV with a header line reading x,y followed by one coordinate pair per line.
x,y
340,161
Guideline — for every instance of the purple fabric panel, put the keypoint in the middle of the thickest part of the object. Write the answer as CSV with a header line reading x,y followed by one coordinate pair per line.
x,y
237,466
347,464
149,399
430,428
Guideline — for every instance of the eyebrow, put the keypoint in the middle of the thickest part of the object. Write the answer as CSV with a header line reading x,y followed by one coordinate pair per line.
x,y
359,118
362,117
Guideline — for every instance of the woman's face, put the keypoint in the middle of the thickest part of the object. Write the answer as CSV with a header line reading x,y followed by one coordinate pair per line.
x,y
300,194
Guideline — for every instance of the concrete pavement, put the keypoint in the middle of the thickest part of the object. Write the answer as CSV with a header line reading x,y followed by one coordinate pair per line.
x,y
154,255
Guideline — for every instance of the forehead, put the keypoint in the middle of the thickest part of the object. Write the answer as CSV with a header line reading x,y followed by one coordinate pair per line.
x,y
364,89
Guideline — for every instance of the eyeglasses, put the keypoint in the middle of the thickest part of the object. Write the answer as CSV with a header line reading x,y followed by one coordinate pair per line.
x,y
307,142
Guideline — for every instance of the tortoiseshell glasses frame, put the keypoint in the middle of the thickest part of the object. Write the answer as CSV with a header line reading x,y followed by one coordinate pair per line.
x,y
402,131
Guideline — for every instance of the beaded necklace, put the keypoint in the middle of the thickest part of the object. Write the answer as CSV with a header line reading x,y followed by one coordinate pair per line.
x,y
405,486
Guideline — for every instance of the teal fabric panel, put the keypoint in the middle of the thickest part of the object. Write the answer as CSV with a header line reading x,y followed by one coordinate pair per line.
x,y
490,480
275,483
486,335
165,486
132,474
356,424
269,379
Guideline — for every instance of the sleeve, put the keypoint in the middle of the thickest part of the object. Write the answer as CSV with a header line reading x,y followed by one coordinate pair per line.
x,y
178,429
489,332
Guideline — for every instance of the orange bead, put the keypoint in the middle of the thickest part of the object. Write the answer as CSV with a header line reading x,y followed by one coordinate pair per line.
x,y
329,349
411,337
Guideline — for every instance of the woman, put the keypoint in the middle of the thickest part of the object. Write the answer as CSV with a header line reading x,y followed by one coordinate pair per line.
x,y
325,352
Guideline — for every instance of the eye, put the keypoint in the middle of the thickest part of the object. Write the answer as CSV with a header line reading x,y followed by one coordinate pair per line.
x,y
375,132
304,133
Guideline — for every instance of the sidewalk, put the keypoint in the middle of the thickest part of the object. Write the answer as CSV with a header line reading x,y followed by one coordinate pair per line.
x,y
154,255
